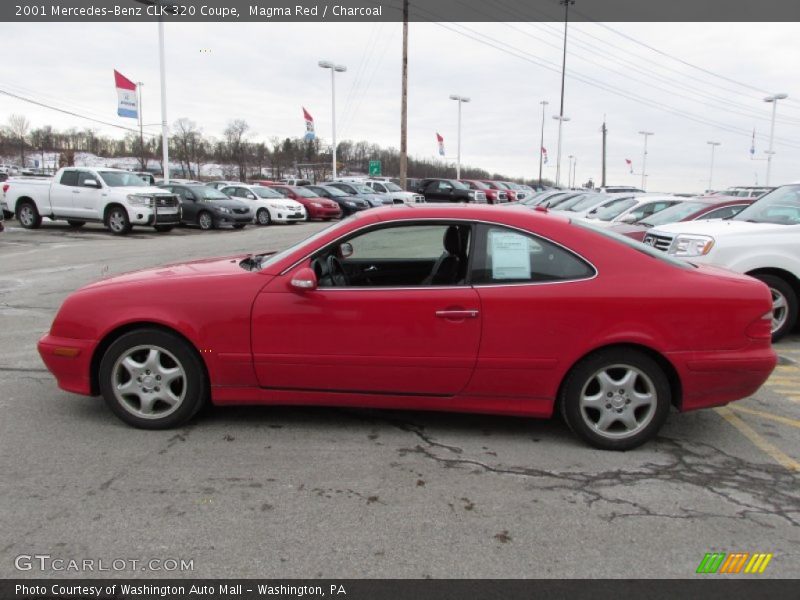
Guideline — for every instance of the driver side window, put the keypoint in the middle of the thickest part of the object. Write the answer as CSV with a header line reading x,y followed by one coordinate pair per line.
x,y
409,255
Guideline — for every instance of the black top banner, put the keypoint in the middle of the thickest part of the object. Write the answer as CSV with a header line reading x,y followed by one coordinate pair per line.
x,y
392,10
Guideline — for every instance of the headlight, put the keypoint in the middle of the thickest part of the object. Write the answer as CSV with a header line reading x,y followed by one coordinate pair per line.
x,y
317,204
222,209
137,200
350,203
471,194
691,245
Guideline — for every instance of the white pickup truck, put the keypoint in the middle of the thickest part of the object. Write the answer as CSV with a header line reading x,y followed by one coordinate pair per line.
x,y
762,241
117,198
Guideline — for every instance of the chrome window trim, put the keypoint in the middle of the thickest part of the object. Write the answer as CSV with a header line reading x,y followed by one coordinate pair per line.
x,y
458,287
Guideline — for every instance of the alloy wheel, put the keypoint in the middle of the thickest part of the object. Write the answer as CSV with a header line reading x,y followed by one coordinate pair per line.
x,y
149,382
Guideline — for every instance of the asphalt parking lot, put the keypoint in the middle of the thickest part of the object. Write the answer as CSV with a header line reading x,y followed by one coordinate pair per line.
x,y
319,492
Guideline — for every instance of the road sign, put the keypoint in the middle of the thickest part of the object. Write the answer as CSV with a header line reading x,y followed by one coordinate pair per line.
x,y
374,168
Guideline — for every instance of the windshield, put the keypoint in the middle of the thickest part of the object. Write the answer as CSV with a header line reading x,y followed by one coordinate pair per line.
x,y
459,186
570,202
363,189
208,193
121,179
673,214
334,191
269,259
304,193
614,209
780,206
586,202
265,192
392,187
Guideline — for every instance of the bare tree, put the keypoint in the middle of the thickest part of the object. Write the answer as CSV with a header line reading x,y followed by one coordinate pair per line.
x,y
186,138
236,144
18,125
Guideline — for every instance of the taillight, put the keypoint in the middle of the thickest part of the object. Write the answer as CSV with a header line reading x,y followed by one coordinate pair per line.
x,y
761,328
5,187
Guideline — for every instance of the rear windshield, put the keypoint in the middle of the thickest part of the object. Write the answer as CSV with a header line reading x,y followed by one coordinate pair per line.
x,y
614,209
638,246
673,214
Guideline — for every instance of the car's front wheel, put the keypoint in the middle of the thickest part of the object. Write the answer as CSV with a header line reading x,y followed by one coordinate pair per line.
x,y
117,220
263,217
153,379
784,305
616,399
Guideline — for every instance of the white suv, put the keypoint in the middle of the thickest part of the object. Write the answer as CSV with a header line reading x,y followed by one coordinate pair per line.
x,y
762,241
394,191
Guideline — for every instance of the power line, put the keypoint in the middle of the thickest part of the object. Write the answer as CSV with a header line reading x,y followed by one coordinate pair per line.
x,y
68,112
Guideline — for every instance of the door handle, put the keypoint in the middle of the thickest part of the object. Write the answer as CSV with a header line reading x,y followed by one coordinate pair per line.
x,y
457,314
370,269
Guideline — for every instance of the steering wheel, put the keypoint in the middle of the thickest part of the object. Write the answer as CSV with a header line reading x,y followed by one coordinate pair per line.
x,y
336,272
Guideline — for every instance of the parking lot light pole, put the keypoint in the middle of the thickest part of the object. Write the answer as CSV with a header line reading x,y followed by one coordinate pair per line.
x,y
561,120
325,64
569,172
711,171
646,134
460,100
774,100
544,104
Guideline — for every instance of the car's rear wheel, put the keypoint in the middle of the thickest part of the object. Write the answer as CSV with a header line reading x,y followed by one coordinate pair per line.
x,y
28,216
153,379
117,220
205,220
263,217
74,223
784,305
616,399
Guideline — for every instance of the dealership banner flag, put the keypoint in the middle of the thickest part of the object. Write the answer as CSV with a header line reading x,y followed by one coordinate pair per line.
x,y
629,162
309,125
440,141
126,94
544,155
753,144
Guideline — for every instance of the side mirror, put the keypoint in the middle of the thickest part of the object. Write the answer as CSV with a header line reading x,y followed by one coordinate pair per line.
x,y
630,218
305,280
92,183
251,196
346,250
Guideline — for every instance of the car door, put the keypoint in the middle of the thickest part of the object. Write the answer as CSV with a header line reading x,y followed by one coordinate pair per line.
x,y
414,339
63,191
88,201
438,191
536,298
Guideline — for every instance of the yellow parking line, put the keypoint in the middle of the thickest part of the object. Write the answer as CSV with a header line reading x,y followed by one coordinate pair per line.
x,y
766,415
772,451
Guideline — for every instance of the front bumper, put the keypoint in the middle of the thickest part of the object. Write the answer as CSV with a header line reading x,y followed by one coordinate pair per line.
x,y
69,361
321,212
233,218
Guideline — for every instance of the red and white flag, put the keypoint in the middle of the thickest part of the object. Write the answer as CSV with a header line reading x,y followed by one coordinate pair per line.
x,y
309,125
629,162
544,155
126,94
440,141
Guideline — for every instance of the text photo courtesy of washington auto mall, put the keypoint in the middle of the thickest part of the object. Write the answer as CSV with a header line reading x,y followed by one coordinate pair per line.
x,y
399,299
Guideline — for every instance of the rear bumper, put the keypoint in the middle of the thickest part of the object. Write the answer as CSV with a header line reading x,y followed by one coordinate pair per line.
x,y
233,219
69,361
716,378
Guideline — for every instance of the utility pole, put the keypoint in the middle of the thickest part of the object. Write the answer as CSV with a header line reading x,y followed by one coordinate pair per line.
x,y
711,171
544,104
404,103
605,132
561,118
774,100
326,64
646,134
569,171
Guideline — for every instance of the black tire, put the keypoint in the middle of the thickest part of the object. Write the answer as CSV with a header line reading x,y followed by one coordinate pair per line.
x,y
586,420
328,219
192,388
239,225
74,223
28,215
163,228
205,220
117,221
784,317
263,217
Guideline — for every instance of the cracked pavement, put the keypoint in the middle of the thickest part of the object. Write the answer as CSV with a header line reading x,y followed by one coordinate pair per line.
x,y
325,492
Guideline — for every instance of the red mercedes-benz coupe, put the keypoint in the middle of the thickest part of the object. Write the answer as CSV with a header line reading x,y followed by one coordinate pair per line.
x,y
452,308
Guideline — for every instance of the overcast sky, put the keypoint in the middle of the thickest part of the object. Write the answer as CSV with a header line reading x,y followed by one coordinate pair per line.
x,y
265,72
